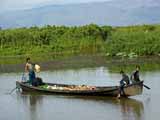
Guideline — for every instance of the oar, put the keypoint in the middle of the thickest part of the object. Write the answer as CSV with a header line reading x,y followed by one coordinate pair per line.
x,y
12,90
146,86
23,78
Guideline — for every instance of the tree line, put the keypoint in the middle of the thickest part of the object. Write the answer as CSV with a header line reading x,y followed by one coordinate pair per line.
x,y
88,39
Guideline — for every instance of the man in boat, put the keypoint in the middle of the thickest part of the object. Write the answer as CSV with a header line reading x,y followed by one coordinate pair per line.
x,y
124,81
29,69
135,75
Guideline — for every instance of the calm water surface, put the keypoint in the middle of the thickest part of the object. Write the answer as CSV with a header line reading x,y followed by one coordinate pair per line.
x,y
19,106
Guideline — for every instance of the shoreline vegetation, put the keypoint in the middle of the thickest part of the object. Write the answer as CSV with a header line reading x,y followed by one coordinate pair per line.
x,y
60,47
114,64
129,42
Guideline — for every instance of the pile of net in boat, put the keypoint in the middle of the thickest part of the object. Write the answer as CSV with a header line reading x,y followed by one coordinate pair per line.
x,y
77,87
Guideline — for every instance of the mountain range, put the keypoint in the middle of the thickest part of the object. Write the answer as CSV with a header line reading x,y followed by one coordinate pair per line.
x,y
114,13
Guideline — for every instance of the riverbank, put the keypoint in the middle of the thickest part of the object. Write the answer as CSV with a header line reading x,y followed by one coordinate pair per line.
x,y
115,64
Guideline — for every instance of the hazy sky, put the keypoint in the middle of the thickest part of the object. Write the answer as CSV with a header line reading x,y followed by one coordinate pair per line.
x,y
6,5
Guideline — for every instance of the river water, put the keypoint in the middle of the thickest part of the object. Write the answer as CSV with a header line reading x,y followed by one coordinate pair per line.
x,y
17,106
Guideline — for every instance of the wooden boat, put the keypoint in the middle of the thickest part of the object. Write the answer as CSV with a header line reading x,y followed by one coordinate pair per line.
x,y
129,90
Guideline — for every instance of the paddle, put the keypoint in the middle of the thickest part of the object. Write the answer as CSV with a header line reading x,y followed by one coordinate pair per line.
x,y
23,79
146,87
12,90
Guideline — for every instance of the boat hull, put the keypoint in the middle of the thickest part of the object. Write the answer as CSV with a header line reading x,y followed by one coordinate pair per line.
x,y
130,90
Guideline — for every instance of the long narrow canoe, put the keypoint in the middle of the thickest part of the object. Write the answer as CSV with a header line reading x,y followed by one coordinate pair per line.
x,y
130,90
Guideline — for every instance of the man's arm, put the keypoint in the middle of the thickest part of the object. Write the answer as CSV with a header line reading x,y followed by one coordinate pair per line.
x,y
26,68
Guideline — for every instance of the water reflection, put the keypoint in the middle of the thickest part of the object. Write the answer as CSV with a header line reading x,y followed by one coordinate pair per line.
x,y
128,108
31,104
34,102
132,108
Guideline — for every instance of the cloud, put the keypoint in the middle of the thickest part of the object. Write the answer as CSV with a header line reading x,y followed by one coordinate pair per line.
x,y
25,4
19,4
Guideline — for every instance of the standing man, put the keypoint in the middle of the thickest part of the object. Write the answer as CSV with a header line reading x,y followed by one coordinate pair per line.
x,y
29,69
135,75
